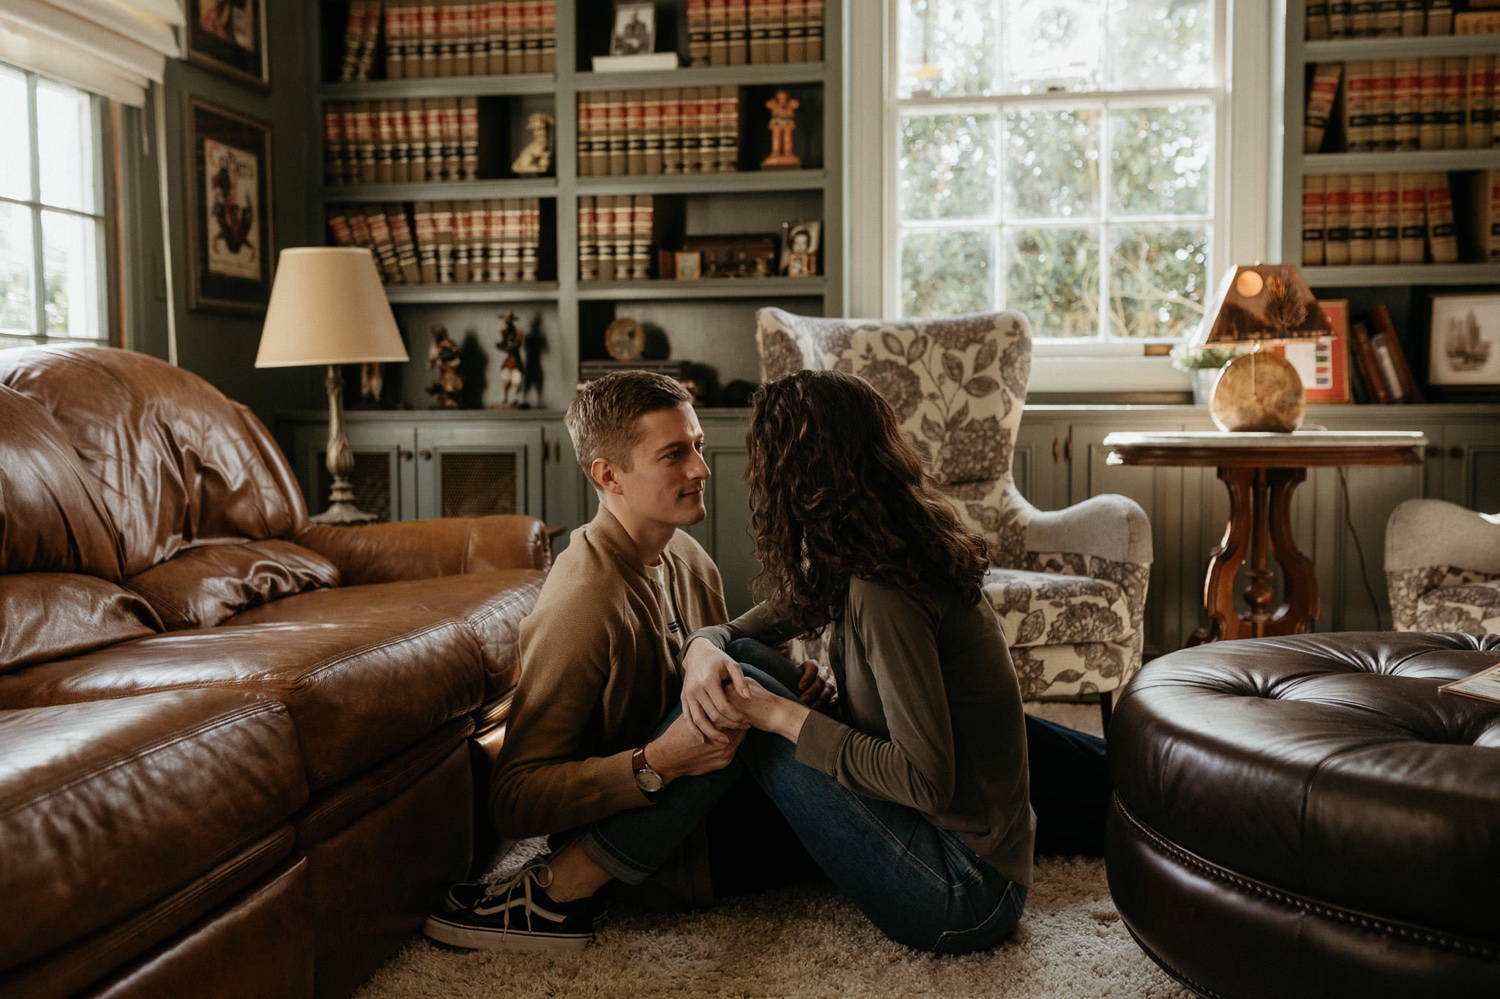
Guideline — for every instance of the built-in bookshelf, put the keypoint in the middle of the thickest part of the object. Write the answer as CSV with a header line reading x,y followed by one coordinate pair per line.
x,y
648,169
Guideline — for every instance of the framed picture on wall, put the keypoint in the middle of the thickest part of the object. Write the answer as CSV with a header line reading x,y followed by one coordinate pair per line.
x,y
1463,343
229,37
227,169
1323,362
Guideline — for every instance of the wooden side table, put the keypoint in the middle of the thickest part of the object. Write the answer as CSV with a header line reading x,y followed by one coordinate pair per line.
x,y
1261,471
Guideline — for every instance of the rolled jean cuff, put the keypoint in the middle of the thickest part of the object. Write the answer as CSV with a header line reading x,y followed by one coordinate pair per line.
x,y
599,850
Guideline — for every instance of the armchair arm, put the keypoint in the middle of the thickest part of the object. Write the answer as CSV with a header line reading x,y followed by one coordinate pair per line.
x,y
1108,526
422,549
1431,532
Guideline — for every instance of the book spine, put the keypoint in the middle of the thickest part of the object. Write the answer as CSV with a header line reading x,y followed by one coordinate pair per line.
x,y
688,116
1430,134
588,251
463,20
463,237
384,113
1388,18
1361,219
1455,113
635,132
395,40
614,130
515,36
1439,17
1480,79
363,119
729,129
1383,104
775,30
532,52
359,227
1359,129
796,31
496,12
1413,18
1412,239
1387,215
333,144
442,234
1340,19
1369,367
406,244
1336,238
512,228
738,32
623,236
548,31
1442,236
642,221
698,31
718,33
604,236
385,246
468,123
1314,197
671,130
813,47
531,231
651,131
757,31
1316,21
338,228
1407,94
1320,96
494,239
416,133
426,235
1362,17
1383,331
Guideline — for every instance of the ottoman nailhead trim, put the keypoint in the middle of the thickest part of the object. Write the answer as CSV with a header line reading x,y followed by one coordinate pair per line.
x,y
1249,887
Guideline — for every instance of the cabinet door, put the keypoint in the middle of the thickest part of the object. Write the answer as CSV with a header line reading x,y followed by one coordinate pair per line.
x,y
568,501
478,470
1465,464
1039,462
383,457
725,533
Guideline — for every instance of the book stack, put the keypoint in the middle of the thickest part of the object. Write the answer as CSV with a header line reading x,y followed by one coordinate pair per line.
x,y
1388,18
615,237
433,38
1403,104
401,141
735,32
1394,218
442,242
1380,372
672,130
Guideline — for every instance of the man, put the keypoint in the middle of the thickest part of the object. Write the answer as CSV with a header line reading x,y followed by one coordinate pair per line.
x,y
597,742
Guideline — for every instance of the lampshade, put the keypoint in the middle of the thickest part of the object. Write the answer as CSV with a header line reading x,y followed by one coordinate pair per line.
x,y
328,307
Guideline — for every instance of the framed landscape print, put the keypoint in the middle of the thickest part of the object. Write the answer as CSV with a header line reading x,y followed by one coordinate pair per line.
x,y
229,37
1462,333
227,169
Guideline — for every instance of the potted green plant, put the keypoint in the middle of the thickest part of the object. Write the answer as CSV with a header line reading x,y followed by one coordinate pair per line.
x,y
1202,364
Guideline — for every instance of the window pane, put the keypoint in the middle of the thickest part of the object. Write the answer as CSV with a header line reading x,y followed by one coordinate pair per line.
x,y
70,275
1160,159
1052,163
1053,45
17,301
948,166
947,273
1052,275
1157,44
1157,280
947,48
66,137
15,163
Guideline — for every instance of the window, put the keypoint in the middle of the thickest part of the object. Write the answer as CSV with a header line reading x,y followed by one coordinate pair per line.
x,y
52,241
1060,157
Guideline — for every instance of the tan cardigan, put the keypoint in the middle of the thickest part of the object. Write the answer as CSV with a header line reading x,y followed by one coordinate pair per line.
x,y
598,673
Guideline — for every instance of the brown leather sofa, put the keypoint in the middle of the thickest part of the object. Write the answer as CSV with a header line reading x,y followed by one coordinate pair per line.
x,y
238,752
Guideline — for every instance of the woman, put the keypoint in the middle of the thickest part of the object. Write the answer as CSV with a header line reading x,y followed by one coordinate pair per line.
x,y
912,794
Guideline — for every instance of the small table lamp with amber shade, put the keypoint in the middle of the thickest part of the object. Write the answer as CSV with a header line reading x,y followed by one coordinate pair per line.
x,y
328,307
1260,304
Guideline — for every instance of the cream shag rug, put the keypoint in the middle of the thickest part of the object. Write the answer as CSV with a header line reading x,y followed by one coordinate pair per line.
x,y
807,941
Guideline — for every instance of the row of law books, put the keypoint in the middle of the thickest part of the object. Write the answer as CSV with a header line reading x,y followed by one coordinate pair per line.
x,y
670,130
1387,18
1400,218
735,32
433,38
615,237
1379,371
401,141
1403,104
446,242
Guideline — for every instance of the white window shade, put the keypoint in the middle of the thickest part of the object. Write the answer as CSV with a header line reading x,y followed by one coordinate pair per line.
x,y
115,48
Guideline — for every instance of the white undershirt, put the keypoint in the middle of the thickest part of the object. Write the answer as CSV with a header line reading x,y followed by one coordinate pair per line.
x,y
673,619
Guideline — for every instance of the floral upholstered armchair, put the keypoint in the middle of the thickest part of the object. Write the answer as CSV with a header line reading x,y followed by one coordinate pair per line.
x,y
1069,586
1442,564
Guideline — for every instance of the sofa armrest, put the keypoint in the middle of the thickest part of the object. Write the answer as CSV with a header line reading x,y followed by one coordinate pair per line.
x,y
1108,526
422,549
1433,532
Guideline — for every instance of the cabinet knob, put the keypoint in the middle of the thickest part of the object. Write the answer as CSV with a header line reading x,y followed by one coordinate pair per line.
x,y
406,454
1056,450
1456,452
1068,447
425,454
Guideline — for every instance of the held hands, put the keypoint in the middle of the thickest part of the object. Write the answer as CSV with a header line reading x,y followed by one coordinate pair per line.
x,y
817,688
708,675
769,712
681,752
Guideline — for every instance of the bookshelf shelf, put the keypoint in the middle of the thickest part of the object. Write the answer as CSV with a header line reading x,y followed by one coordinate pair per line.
x,y
1396,275
702,288
742,182
438,294
1424,160
441,191
519,85
1430,46
763,74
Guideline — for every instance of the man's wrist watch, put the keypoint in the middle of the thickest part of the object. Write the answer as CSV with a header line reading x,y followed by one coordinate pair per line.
x,y
648,780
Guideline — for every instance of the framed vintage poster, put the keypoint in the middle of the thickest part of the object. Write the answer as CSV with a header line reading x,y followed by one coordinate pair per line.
x,y
229,37
1461,344
227,169
799,248
635,29
1323,362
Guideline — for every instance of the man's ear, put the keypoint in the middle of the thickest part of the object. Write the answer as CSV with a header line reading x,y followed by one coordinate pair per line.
x,y
605,476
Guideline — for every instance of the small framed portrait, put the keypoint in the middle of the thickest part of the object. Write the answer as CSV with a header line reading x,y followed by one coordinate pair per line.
x,y
229,37
227,170
635,29
689,265
1323,362
800,239
1463,343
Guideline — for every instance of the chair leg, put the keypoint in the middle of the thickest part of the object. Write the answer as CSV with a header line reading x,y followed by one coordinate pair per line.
x,y
1106,704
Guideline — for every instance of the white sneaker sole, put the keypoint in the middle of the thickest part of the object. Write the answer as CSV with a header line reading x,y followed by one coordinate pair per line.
x,y
471,938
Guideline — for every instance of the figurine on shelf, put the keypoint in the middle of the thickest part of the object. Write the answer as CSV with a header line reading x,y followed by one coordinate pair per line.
x,y
536,158
783,108
536,345
371,384
447,386
512,376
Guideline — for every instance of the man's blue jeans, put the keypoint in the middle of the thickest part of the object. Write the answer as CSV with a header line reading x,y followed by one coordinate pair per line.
x,y
921,885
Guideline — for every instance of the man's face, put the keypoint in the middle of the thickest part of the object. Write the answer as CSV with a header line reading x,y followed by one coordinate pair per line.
x,y
664,487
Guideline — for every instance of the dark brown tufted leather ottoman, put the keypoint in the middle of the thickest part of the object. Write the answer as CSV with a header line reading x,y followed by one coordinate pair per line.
x,y
1308,816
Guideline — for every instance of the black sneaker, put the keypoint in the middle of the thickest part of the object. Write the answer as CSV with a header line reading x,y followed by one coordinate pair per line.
x,y
461,896
517,914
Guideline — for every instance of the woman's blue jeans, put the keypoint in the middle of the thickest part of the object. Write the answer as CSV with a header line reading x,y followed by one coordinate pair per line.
x,y
920,885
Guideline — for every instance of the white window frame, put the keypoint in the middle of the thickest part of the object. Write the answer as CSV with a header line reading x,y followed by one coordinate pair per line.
x,y
35,206
1244,227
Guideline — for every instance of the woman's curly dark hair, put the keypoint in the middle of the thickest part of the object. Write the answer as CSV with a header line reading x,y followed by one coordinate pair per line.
x,y
837,491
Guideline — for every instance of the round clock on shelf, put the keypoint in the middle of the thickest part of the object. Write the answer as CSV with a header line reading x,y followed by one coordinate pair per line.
x,y
625,339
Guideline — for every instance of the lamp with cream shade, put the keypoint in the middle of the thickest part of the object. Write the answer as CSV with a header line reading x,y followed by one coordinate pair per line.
x,y
328,307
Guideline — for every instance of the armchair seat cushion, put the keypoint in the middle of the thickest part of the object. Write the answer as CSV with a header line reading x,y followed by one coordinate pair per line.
x,y
1044,608
1470,608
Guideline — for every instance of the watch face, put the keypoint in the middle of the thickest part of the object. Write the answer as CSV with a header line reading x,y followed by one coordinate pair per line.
x,y
625,339
648,780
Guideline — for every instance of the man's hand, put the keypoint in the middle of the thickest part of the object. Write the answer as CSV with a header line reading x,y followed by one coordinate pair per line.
x,y
817,688
706,672
771,713
681,752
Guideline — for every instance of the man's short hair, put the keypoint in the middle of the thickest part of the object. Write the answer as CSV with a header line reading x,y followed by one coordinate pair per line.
x,y
604,418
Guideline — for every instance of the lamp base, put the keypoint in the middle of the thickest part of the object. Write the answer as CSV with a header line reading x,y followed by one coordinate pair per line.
x,y
340,514
1259,392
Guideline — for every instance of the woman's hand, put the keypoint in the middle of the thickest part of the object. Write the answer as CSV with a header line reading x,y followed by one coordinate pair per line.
x,y
769,712
817,688
707,676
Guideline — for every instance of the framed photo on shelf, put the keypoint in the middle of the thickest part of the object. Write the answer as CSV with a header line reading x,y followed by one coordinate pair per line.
x,y
635,29
799,239
689,265
227,169
229,37
737,255
1463,343
1323,362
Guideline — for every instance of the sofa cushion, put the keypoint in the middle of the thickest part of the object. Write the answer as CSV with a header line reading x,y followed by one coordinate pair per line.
x,y
1045,608
1470,608
358,690
51,516
174,460
200,587
108,807
491,603
47,615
